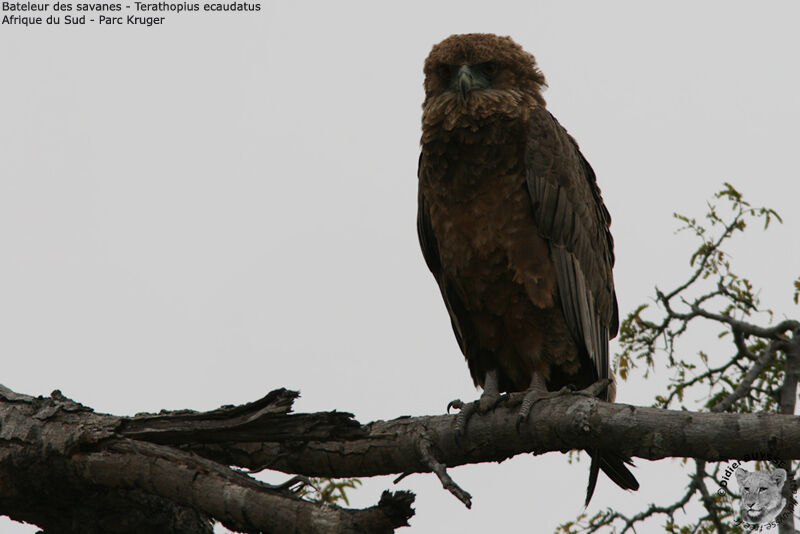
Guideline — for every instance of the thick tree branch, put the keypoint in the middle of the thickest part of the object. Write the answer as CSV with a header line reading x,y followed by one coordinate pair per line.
x,y
67,469
558,424
179,460
241,503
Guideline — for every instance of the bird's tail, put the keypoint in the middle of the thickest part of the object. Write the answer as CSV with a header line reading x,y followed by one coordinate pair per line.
x,y
612,465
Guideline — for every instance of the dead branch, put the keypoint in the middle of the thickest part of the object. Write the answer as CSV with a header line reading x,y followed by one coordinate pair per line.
x,y
557,424
67,469
61,463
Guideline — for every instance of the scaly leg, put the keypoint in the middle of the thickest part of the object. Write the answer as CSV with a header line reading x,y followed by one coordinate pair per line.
x,y
488,400
538,391
491,392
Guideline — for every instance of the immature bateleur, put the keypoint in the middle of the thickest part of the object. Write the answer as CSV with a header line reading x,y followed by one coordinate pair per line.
x,y
513,228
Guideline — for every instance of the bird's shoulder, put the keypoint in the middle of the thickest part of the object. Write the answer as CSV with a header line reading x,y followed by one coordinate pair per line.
x,y
563,182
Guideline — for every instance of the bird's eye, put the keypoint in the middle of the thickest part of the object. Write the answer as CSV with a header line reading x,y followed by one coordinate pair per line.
x,y
489,68
445,71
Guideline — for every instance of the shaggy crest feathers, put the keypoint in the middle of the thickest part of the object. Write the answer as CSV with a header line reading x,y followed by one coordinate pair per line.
x,y
515,90
476,48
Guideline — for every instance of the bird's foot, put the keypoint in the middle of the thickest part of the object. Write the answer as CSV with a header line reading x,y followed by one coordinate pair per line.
x,y
537,392
486,403
533,395
597,390
465,411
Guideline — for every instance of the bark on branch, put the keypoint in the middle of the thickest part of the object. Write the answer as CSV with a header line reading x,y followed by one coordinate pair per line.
x,y
557,424
68,469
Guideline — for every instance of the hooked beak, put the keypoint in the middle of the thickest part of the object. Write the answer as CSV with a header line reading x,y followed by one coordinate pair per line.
x,y
464,82
468,79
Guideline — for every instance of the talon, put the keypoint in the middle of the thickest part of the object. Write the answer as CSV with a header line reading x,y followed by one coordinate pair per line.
x,y
489,400
465,411
536,392
463,417
456,404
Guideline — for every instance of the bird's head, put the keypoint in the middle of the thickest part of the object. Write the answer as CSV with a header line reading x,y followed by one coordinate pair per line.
x,y
476,75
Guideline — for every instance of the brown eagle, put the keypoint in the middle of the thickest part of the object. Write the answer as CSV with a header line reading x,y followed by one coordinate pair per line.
x,y
513,227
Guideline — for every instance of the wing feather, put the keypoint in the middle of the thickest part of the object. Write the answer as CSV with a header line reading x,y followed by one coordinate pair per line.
x,y
570,214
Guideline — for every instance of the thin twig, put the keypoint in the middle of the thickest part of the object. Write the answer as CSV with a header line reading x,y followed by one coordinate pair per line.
x,y
708,501
744,387
426,451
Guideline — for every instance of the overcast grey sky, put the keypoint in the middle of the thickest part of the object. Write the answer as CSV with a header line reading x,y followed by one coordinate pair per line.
x,y
194,214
